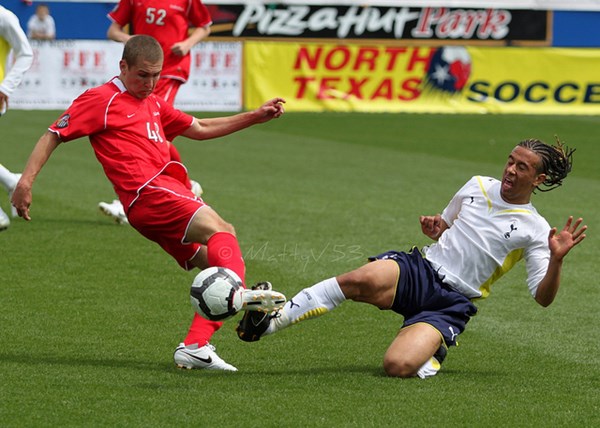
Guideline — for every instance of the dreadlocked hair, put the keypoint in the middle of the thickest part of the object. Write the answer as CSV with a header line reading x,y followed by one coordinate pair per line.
x,y
556,163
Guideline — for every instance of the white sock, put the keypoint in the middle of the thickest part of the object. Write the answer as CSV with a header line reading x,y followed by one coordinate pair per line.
x,y
309,303
7,178
430,368
4,220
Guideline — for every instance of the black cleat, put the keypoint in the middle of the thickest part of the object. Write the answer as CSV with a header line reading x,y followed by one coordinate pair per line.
x,y
254,323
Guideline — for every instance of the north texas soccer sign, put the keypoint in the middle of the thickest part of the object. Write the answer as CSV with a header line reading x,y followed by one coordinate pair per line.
x,y
449,79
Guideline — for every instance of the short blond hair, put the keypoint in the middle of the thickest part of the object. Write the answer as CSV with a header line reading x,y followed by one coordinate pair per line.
x,y
142,47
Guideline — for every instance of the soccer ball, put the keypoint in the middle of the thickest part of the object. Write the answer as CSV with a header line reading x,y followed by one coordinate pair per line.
x,y
216,293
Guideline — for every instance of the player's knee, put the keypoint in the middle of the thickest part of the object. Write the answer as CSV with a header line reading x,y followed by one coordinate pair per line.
x,y
399,367
228,227
223,226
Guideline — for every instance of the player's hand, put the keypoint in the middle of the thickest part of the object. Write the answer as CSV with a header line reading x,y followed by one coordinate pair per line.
x,y
3,103
21,200
432,226
560,243
181,48
272,109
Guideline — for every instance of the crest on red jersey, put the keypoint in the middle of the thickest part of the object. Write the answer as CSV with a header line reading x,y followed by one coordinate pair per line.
x,y
63,122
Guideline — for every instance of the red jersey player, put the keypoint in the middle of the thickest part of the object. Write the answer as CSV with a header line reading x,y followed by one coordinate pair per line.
x,y
128,127
169,23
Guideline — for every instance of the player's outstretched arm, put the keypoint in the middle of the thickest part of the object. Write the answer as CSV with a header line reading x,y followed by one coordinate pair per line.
x,y
204,129
21,198
560,243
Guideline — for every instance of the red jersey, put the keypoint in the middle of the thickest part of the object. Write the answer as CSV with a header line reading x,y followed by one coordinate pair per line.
x,y
168,21
129,135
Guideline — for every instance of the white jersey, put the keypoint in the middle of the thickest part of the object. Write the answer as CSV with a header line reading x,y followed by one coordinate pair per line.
x,y
486,238
13,36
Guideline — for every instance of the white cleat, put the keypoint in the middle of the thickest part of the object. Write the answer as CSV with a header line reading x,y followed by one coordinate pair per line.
x,y
13,210
205,357
196,188
115,210
4,220
262,299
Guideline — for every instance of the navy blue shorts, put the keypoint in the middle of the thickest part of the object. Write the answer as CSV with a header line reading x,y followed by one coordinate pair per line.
x,y
422,297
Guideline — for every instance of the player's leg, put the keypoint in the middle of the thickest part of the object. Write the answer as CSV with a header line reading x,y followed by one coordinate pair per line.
x,y
196,351
9,180
411,350
4,220
200,260
163,214
373,283
222,247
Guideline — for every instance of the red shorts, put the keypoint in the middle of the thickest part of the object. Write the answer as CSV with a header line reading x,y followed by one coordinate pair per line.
x,y
167,89
163,212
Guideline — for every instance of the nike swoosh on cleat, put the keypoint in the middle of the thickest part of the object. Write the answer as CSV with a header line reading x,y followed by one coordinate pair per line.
x,y
256,324
204,360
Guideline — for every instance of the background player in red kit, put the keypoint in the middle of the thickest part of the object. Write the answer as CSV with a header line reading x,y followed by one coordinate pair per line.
x,y
128,127
168,22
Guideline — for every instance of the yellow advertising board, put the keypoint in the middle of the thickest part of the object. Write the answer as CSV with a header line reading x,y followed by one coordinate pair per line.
x,y
450,79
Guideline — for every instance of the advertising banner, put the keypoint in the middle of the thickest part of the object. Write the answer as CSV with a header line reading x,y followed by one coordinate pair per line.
x,y
449,79
62,70
420,25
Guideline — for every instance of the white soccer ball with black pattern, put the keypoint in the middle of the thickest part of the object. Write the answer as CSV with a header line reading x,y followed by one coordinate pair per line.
x,y
216,293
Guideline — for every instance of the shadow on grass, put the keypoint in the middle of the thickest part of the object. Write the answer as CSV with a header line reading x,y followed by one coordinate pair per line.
x,y
26,359
90,220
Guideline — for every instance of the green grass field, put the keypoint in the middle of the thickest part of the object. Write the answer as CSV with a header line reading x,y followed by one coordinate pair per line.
x,y
91,311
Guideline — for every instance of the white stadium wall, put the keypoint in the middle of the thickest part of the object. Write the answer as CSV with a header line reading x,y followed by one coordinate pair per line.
x,y
64,69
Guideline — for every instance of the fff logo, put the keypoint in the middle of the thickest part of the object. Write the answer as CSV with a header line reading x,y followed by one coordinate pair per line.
x,y
84,60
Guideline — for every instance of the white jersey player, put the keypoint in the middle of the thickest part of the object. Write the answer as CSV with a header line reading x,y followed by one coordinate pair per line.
x,y
12,38
486,228
486,237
